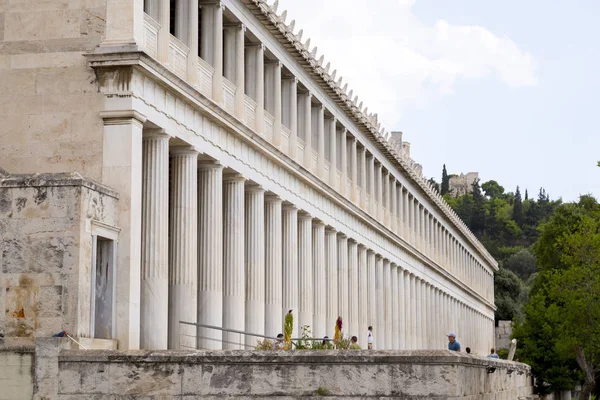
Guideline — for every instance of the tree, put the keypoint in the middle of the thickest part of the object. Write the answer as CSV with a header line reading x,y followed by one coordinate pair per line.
x,y
435,185
492,189
526,196
518,208
477,222
445,186
562,320
508,295
523,264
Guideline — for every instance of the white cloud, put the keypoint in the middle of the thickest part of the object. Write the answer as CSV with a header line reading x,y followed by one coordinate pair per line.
x,y
392,59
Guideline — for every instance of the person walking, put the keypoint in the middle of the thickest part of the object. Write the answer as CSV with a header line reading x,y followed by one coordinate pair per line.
x,y
453,345
493,354
370,338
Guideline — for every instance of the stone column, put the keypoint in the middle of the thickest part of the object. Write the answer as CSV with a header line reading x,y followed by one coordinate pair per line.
x,y
305,276
386,198
122,170
210,254
319,279
402,298
371,294
407,218
211,47
274,266
408,309
306,117
427,313
394,208
344,163
277,104
343,280
353,165
373,196
320,122
164,35
379,305
362,164
363,296
234,67
414,312
353,287
192,42
395,331
400,210
154,300
290,263
255,262
234,277
291,111
331,132
183,242
387,304
379,195
331,259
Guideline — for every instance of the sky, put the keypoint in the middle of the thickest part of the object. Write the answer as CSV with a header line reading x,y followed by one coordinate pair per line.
x,y
504,88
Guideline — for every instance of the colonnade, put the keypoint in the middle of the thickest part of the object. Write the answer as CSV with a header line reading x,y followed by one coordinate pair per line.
x,y
220,250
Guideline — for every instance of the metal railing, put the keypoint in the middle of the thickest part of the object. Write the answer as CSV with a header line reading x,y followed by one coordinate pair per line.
x,y
201,339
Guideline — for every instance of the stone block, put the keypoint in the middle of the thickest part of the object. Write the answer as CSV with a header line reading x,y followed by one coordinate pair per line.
x,y
426,381
84,379
151,379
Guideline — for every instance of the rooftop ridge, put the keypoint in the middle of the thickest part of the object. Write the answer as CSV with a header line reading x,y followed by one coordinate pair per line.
x,y
369,120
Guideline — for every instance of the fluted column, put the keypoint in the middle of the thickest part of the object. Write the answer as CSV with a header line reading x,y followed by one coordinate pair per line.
x,y
394,207
427,315
372,195
379,307
255,262
233,64
305,275
155,251
164,20
210,254
277,104
319,279
395,332
363,296
320,122
379,197
331,267
371,294
387,304
413,312
192,42
274,265
234,282
402,298
290,262
406,214
343,279
290,113
362,165
212,44
354,170
306,100
386,198
331,132
400,210
353,287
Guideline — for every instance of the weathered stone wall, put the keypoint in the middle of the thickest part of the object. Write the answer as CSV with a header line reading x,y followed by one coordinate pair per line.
x,y
45,253
433,374
16,373
503,334
49,100
462,184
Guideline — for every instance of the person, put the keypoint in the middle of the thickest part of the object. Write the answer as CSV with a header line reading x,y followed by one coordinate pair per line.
x,y
278,344
370,338
468,350
453,345
493,354
327,343
354,343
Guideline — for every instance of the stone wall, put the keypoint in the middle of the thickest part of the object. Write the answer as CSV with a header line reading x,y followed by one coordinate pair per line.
x,y
426,374
462,184
49,100
503,334
16,373
45,253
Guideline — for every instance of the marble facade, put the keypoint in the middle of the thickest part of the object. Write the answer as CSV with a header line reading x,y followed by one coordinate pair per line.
x,y
251,181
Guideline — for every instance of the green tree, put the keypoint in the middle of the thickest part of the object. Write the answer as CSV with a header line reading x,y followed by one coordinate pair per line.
x,y
518,208
562,321
445,186
477,222
435,185
508,295
492,189
523,264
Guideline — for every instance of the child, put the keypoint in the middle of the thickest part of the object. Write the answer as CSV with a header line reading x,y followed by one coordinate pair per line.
x,y
370,338
354,345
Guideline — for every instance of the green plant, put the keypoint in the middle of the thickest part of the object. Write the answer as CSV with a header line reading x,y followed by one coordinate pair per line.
x,y
288,327
321,391
304,343
263,345
344,343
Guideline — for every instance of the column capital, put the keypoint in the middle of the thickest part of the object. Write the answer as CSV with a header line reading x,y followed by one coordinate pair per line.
x,y
252,187
261,45
288,207
120,117
234,177
235,25
330,230
155,134
353,241
362,246
183,151
318,222
342,235
304,215
272,198
209,164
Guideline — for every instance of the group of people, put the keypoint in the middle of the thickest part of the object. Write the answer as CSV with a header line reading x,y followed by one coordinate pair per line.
x,y
453,345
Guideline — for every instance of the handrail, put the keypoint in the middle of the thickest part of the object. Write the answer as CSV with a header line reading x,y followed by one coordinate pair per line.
x,y
243,332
